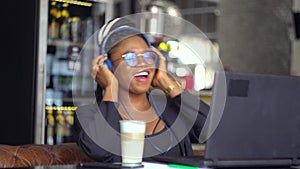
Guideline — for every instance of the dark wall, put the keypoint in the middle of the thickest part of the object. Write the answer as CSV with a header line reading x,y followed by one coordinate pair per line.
x,y
18,61
254,35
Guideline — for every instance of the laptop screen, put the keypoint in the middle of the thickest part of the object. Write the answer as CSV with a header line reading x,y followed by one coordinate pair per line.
x,y
261,117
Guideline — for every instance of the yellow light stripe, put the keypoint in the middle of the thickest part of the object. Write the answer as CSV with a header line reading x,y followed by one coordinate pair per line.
x,y
75,2
67,108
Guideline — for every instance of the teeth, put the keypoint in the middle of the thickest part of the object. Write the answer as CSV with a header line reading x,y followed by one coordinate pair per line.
x,y
142,74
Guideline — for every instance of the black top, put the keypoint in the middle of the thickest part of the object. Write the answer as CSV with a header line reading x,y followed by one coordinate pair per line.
x,y
97,134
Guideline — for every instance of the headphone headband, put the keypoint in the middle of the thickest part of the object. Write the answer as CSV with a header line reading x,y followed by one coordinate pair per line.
x,y
132,31
104,30
109,36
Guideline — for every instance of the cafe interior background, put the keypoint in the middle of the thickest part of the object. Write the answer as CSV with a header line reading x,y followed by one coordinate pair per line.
x,y
44,36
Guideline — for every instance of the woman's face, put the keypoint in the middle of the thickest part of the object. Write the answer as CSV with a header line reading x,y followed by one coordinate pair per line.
x,y
136,79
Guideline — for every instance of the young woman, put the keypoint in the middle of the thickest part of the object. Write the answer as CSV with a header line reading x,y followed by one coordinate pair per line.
x,y
128,70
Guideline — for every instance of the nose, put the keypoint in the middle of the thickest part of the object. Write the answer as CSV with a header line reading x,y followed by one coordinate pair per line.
x,y
141,60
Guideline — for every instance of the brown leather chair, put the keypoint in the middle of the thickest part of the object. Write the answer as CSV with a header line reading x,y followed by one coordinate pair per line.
x,y
30,155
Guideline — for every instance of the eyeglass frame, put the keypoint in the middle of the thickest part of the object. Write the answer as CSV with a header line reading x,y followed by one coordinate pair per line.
x,y
137,55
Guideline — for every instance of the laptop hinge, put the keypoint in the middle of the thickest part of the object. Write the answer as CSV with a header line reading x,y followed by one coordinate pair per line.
x,y
211,162
296,161
248,163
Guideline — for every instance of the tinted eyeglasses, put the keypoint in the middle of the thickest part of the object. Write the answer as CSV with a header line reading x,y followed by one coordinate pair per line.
x,y
131,58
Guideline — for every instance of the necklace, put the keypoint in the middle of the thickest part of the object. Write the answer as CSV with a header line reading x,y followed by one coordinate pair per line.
x,y
164,152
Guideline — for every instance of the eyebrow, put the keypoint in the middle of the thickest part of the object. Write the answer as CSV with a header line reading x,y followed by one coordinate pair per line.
x,y
145,50
128,52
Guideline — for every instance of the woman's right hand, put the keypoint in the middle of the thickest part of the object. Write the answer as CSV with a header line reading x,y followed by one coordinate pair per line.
x,y
162,80
105,78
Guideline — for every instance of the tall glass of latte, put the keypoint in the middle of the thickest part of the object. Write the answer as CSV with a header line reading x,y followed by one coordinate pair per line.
x,y
132,141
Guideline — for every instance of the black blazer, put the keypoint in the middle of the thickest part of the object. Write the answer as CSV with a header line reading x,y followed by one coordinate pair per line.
x,y
96,127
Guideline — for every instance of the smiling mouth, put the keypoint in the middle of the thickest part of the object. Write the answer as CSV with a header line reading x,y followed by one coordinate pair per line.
x,y
142,76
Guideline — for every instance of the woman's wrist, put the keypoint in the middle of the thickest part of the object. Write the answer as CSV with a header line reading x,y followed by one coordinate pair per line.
x,y
174,89
111,93
170,86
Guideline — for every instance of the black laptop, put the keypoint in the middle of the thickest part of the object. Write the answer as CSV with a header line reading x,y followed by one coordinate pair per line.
x,y
260,124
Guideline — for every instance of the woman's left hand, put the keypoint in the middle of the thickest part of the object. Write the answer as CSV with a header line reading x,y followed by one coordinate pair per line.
x,y
162,80
161,71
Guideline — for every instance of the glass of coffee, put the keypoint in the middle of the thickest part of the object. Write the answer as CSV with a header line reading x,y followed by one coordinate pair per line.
x,y
132,141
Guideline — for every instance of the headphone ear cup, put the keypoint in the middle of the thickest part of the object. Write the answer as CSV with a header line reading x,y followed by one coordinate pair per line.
x,y
108,65
156,63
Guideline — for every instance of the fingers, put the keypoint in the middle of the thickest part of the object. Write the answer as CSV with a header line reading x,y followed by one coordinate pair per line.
x,y
160,55
95,60
162,60
96,64
101,61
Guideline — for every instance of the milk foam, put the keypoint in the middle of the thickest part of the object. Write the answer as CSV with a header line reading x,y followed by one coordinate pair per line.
x,y
132,126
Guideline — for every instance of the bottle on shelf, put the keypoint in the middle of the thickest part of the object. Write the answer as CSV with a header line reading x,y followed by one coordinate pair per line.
x,y
50,122
65,23
73,58
69,121
53,28
59,126
75,29
50,125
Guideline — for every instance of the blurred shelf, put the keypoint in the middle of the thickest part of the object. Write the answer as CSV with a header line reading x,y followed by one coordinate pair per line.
x,y
63,43
204,95
201,93
79,100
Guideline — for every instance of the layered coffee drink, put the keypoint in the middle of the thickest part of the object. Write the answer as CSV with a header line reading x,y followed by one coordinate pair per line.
x,y
132,141
132,147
